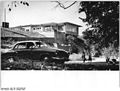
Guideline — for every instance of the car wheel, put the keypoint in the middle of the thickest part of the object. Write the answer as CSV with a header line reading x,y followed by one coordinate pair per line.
x,y
45,61
45,58
10,59
8,62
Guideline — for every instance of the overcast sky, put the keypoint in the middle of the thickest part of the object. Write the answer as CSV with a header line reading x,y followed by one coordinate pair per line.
x,y
43,12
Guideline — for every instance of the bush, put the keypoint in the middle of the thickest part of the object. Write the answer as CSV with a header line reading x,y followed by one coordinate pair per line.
x,y
110,52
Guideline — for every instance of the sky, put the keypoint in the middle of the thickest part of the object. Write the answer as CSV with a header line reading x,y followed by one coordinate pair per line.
x,y
39,12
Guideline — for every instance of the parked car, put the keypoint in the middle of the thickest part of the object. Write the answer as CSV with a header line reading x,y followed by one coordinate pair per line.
x,y
34,50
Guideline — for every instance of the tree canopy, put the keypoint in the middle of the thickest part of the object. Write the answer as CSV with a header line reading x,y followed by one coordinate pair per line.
x,y
103,16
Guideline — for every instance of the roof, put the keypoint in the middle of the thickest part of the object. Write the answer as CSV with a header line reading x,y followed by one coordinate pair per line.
x,y
6,29
49,24
26,34
26,26
59,24
28,41
69,23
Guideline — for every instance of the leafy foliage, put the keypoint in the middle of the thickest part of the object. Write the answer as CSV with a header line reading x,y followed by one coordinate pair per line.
x,y
77,44
16,3
104,19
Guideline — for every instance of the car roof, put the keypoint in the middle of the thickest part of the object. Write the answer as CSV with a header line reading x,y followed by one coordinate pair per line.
x,y
28,41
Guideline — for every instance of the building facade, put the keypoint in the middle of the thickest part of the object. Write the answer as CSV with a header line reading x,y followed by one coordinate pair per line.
x,y
57,31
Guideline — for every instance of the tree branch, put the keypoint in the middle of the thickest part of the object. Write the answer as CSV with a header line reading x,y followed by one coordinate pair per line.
x,y
63,6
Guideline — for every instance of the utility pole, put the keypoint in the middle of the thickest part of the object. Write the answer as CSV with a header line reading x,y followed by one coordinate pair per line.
x,y
4,14
5,24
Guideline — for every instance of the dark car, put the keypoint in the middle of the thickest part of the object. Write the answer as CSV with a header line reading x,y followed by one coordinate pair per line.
x,y
34,50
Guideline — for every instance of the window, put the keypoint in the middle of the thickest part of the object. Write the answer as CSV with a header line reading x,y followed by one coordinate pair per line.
x,y
27,29
48,29
60,28
29,45
40,44
20,46
33,28
26,45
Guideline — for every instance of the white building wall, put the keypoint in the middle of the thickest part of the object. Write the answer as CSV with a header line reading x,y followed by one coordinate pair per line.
x,y
27,28
42,30
71,29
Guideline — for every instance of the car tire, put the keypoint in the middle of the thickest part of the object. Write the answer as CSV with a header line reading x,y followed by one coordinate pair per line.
x,y
45,59
8,61
11,59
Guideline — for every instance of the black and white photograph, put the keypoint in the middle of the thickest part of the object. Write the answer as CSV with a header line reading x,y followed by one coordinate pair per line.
x,y
56,35
58,41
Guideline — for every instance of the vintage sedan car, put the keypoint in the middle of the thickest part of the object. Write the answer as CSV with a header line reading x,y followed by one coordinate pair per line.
x,y
35,50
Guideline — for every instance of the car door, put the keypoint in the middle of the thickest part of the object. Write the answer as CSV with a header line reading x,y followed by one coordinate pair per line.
x,y
38,51
22,50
